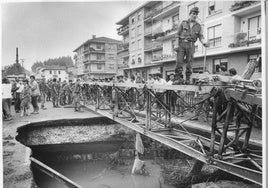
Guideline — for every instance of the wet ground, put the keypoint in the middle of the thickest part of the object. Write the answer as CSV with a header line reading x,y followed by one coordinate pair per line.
x,y
16,165
101,174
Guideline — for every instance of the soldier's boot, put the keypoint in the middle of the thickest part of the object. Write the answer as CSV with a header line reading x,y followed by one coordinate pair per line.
x,y
188,76
22,113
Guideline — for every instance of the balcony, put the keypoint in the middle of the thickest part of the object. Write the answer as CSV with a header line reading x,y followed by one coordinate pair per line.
x,y
124,65
93,50
86,51
153,46
86,71
167,10
97,61
246,39
85,61
168,34
164,57
243,8
123,54
148,32
123,30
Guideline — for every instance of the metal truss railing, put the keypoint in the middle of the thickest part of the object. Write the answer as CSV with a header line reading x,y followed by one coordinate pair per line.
x,y
149,109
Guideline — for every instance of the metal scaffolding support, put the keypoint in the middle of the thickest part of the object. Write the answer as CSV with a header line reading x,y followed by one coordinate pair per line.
x,y
148,109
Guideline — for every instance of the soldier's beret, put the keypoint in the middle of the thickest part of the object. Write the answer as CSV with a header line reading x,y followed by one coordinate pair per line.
x,y
194,9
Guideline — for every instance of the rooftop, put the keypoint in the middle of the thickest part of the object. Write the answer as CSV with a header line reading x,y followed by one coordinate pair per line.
x,y
99,40
54,68
124,20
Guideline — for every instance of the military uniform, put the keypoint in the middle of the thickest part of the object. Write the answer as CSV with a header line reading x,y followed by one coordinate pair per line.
x,y
62,94
43,91
67,94
188,32
76,96
55,94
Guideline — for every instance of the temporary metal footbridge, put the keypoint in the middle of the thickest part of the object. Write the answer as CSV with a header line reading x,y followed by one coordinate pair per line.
x,y
155,111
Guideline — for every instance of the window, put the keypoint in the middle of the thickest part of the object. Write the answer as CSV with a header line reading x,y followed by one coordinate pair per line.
x,y
59,71
217,63
55,72
211,7
175,20
133,20
173,46
139,17
99,66
214,36
133,34
111,56
99,56
50,72
133,46
254,57
133,60
196,48
139,44
139,58
254,27
139,30
98,46
191,6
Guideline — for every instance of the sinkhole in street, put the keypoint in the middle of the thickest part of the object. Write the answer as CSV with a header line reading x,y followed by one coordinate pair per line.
x,y
97,152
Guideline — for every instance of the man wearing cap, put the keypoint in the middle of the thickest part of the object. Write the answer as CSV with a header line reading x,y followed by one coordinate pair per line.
x,y
188,33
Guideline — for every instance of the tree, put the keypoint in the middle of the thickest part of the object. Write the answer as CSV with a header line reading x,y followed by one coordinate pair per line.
x,y
36,65
13,69
65,61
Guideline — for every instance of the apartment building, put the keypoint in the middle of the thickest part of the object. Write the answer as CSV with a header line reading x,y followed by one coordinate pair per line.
x,y
51,72
232,28
97,57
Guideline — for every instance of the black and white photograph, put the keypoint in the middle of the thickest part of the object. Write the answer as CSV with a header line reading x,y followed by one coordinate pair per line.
x,y
133,94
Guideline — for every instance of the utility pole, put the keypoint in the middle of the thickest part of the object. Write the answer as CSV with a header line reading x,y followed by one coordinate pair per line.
x,y
17,61
17,55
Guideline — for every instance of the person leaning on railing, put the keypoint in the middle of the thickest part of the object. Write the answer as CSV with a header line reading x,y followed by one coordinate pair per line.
x,y
179,104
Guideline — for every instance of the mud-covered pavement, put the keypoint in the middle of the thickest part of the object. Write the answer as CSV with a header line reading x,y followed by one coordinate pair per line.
x,y
16,164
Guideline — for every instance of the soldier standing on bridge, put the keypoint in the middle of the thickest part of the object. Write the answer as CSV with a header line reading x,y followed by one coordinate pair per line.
x,y
77,97
188,32
54,93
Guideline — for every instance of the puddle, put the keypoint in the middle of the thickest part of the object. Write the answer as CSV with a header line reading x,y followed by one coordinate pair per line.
x,y
101,174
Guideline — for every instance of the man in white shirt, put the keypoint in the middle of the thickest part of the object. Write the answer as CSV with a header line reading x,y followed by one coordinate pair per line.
x,y
6,99
171,79
150,79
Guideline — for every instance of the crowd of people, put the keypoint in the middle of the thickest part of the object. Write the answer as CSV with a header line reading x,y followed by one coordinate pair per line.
x,y
26,93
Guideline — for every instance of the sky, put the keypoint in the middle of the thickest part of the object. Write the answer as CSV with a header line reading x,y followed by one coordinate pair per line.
x,y
43,30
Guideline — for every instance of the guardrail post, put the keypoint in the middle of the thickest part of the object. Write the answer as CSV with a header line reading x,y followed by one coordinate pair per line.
x,y
214,123
97,98
247,136
116,101
148,109
225,128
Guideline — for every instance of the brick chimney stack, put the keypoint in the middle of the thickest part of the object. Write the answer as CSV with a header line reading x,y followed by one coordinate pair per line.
x,y
93,36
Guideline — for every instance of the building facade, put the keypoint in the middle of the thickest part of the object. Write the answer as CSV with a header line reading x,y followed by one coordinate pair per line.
x,y
232,29
51,72
97,57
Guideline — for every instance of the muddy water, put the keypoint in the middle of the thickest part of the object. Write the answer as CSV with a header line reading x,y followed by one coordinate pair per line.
x,y
100,174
